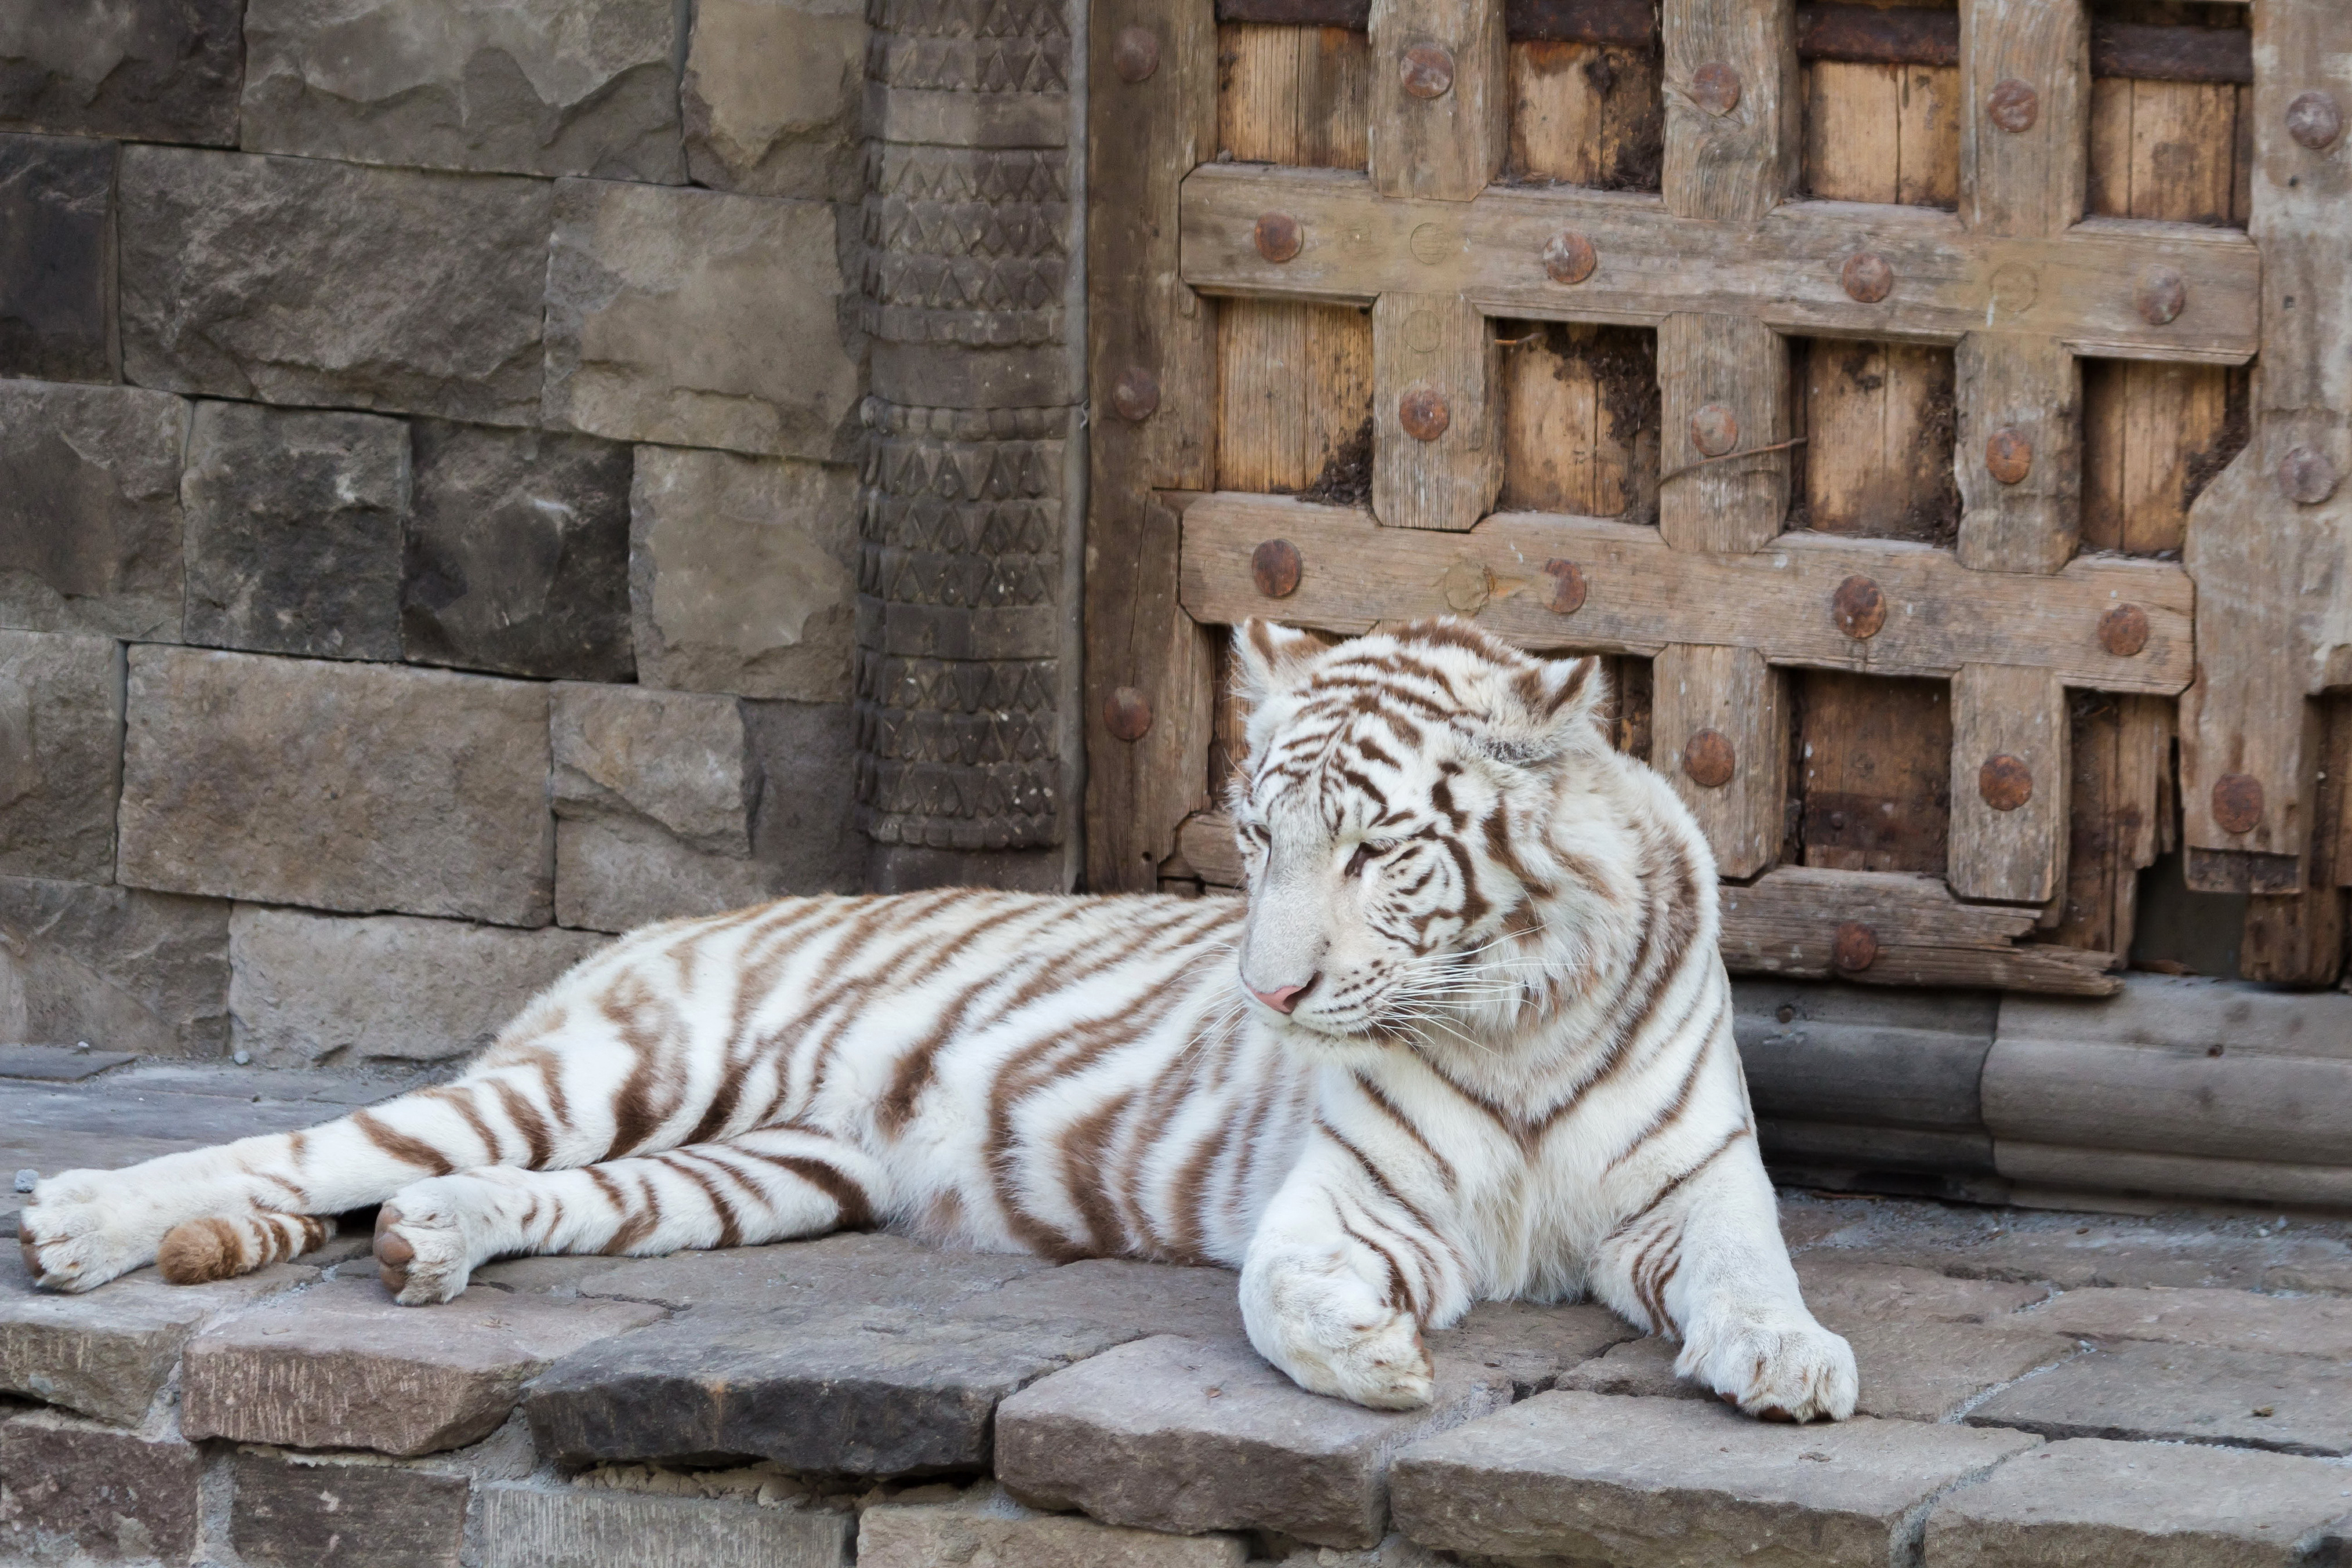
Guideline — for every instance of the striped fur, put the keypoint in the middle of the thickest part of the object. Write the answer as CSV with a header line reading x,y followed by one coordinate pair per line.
x,y
1505,1068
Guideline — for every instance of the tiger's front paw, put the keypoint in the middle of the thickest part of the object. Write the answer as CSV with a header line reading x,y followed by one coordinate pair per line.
x,y
1383,1364
429,1235
81,1228
1333,1334
1792,1370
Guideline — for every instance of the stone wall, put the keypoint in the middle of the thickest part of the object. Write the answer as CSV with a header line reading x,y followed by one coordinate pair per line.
x,y
430,461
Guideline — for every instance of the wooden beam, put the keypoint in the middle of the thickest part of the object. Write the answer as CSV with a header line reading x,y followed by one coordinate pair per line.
x,y
2019,452
1927,614
2010,774
1785,271
1437,447
1719,731
1439,103
1733,107
2025,92
1724,385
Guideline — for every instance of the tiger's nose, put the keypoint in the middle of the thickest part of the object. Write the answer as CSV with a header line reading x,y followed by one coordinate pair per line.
x,y
1284,998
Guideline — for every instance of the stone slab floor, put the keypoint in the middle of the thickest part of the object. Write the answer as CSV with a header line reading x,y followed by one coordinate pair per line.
x,y
2038,1388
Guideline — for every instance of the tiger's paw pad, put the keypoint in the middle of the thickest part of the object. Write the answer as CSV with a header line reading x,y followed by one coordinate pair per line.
x,y
422,1250
78,1231
1789,1371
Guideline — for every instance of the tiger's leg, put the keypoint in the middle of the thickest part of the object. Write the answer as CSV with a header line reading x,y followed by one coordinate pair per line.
x,y
1340,1277
1706,1261
767,1185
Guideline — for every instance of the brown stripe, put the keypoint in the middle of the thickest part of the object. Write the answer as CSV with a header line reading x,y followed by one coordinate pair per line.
x,y
1667,1191
1379,1096
1398,1295
527,1121
857,1211
730,1230
401,1146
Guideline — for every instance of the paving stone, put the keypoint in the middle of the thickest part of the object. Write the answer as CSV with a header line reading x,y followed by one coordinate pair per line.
x,y
1848,1293
108,1494
842,1272
60,754
1134,1299
1189,1435
344,1366
2137,1503
57,1064
426,791
164,71
2139,1390
1533,1345
772,95
311,1515
528,87
576,1527
294,523
742,575
121,968
518,557
308,989
297,281
1644,1483
90,509
2224,1320
940,1535
57,303
699,319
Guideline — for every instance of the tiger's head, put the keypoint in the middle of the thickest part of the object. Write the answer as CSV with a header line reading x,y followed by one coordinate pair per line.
x,y
1393,816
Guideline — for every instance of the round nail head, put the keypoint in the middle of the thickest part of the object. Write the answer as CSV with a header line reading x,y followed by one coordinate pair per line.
x,y
1567,595
1858,608
1135,396
1567,258
1714,86
2008,456
1867,278
2004,782
2314,120
1709,760
2161,296
2306,476
1427,70
1714,429
1854,948
1277,237
1274,567
1126,713
2123,631
2237,803
2014,105
1135,54
1423,412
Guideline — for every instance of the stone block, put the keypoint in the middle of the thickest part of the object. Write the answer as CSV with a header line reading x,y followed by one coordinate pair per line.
x,y
2150,1505
294,524
2170,1393
1848,1293
1531,1344
60,754
121,968
575,1527
806,824
699,319
773,94
525,87
344,1366
742,575
107,1494
338,786
324,1515
846,1272
519,554
58,1064
1131,1298
308,989
618,875
2223,1319
1189,1435
1646,1483
935,1535
90,509
297,280
56,298
162,70
677,759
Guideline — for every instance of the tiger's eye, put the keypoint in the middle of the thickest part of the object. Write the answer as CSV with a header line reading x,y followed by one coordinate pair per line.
x,y
1360,860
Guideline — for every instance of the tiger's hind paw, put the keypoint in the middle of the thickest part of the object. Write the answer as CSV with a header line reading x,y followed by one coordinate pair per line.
x,y
79,1229
428,1238
1780,1372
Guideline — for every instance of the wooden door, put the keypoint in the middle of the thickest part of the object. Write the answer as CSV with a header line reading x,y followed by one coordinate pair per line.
x,y
1934,412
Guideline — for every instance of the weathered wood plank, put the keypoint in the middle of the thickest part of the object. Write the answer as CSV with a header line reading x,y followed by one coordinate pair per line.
x,y
1732,107
1437,447
1440,97
1874,762
2298,939
1878,424
2121,758
2025,77
1579,420
1882,134
1295,396
1640,595
1294,95
2019,401
1724,386
1784,271
1719,731
2010,730
1586,115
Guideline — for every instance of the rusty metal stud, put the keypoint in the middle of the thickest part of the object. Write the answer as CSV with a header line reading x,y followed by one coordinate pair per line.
x,y
1854,948
1867,278
2008,456
2004,782
2123,631
1714,86
1714,429
2161,296
1277,237
2013,105
1135,54
2306,476
1427,70
1858,608
1567,258
1136,394
2237,803
1424,414
2314,120
1709,760
1126,713
1274,567
1567,595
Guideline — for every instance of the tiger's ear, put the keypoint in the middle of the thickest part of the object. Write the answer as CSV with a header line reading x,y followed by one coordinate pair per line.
x,y
1559,702
1268,656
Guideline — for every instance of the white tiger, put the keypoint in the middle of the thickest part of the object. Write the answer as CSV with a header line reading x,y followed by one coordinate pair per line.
x,y
1469,1037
